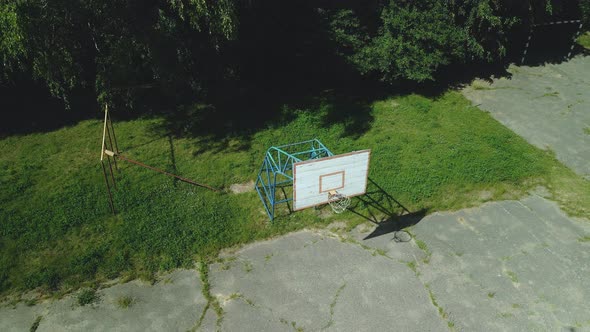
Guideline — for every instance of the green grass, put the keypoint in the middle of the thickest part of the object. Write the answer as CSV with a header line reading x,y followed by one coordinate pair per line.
x,y
584,40
413,266
443,314
551,94
481,85
422,245
57,233
512,276
31,302
206,291
87,296
125,302
587,130
35,324
333,305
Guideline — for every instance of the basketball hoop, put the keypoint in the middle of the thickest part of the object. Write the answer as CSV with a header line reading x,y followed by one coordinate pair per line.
x,y
338,201
315,173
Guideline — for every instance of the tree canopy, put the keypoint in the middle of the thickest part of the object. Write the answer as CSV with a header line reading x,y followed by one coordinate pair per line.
x,y
116,48
162,54
412,39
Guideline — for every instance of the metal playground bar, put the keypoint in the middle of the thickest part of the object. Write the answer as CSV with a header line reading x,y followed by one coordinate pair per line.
x,y
277,171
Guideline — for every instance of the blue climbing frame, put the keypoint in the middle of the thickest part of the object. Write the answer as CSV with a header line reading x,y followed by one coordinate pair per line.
x,y
277,171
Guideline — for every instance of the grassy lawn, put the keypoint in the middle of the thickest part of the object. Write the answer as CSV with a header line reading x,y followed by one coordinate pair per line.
x,y
584,40
57,233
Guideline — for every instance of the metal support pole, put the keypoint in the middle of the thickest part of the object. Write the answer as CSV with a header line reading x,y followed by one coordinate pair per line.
x,y
112,174
528,42
574,40
273,195
167,173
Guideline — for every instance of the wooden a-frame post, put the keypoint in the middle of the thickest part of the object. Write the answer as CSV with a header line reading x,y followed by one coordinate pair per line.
x,y
109,150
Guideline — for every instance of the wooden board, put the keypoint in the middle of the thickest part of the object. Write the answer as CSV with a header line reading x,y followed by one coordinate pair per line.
x,y
314,179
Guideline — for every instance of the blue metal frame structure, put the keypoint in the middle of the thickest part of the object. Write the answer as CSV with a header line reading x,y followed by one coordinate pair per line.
x,y
277,171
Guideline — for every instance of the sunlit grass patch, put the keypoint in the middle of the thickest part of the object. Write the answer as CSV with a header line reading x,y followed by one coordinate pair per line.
x,y
584,40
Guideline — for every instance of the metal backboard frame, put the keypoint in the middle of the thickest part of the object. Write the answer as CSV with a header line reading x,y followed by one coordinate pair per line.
x,y
276,172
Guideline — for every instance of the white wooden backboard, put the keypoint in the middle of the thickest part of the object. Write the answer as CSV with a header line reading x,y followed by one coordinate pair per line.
x,y
314,179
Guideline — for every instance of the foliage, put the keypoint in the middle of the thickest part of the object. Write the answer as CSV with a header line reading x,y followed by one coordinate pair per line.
x,y
413,39
87,296
585,8
57,231
167,55
117,49
124,302
412,43
35,324
11,38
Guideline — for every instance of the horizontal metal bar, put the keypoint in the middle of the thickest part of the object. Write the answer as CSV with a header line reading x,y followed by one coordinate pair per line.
x,y
298,143
122,157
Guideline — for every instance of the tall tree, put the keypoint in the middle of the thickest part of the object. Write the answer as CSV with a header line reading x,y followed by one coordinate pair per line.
x,y
116,48
412,39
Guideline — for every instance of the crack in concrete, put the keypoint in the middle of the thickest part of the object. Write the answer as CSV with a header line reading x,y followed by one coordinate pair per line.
x,y
293,324
201,318
441,311
333,305
212,302
556,256
240,296
422,246
373,251
36,323
413,266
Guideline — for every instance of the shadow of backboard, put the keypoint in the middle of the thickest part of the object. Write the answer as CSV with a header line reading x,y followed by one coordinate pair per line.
x,y
397,223
382,209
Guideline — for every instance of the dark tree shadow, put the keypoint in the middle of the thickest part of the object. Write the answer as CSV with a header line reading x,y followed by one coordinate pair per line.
x,y
129,147
245,111
282,61
382,209
458,76
30,108
552,44
352,109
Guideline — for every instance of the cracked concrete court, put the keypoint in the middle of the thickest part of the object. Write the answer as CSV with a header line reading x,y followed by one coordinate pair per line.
x,y
512,265
547,105
173,304
505,266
